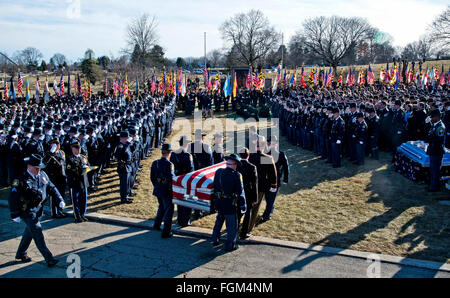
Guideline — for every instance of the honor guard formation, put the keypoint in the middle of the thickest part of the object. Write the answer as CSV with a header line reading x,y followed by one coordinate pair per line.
x,y
66,145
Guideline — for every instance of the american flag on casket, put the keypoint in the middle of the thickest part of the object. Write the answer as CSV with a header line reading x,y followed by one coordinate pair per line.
x,y
194,190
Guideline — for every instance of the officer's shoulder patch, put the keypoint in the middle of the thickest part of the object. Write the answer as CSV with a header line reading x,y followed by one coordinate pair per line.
x,y
68,166
441,131
15,183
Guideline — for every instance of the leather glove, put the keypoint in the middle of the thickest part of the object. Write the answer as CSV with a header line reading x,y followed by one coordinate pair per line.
x,y
272,189
338,142
17,219
62,205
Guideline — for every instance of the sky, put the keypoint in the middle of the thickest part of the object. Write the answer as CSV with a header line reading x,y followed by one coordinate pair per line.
x,y
72,26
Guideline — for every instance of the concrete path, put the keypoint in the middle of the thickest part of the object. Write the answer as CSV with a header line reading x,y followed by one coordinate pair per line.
x,y
112,250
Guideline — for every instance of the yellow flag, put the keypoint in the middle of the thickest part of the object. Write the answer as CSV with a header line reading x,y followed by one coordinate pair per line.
x,y
235,86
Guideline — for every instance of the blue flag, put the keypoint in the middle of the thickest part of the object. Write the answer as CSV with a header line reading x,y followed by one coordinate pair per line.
x,y
227,87
12,92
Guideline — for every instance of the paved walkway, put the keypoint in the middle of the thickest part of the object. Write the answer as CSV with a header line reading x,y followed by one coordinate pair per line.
x,y
110,250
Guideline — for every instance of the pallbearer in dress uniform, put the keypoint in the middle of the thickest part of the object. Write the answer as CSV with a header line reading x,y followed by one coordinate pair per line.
x,y
436,149
162,172
229,200
55,159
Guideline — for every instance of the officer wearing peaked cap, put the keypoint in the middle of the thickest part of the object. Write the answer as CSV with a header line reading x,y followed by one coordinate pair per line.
x,y
124,166
161,175
229,199
77,169
183,164
55,159
435,149
26,203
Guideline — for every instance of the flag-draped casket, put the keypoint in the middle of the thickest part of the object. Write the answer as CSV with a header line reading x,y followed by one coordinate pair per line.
x,y
194,190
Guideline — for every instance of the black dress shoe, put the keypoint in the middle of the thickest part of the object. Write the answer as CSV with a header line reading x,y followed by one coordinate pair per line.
x,y
132,194
84,218
52,262
232,249
246,236
170,234
78,220
24,259
215,244
156,228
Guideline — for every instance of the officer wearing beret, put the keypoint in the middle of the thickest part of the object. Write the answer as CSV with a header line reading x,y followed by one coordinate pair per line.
x,y
229,199
435,150
55,159
124,166
183,164
26,203
77,168
161,175
336,137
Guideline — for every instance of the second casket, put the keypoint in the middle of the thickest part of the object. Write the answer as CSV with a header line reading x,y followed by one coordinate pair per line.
x,y
194,190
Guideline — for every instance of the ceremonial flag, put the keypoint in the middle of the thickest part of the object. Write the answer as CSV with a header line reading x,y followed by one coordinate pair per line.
x,y
275,86
387,76
125,87
347,80
262,82
27,91
38,85
397,81
46,90
183,85
292,81
227,87
137,87
311,77
279,68
12,92
89,89
249,79
442,79
85,91
61,85
302,79
235,87
19,85
329,77
153,85
55,86
340,79
206,76
5,88
370,76
68,84
255,81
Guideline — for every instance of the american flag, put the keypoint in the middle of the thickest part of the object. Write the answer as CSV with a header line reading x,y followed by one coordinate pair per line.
x,y
55,86
6,88
195,189
370,76
61,86
249,79
105,86
19,84
38,85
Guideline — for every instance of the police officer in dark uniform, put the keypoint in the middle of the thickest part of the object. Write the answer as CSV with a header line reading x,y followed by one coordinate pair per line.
x,y
435,150
336,137
183,164
77,168
361,138
373,132
217,148
124,166
446,121
35,145
282,167
398,125
26,203
250,178
162,172
55,159
229,199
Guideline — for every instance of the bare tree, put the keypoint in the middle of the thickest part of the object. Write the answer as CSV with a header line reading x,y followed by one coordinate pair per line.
x,y
58,59
31,57
417,50
250,35
215,58
440,31
332,38
141,33
89,54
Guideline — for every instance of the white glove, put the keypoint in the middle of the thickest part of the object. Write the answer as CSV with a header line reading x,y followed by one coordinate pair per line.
x,y
17,219
361,142
399,132
284,183
53,149
353,136
62,205
428,120
273,189
243,211
338,142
